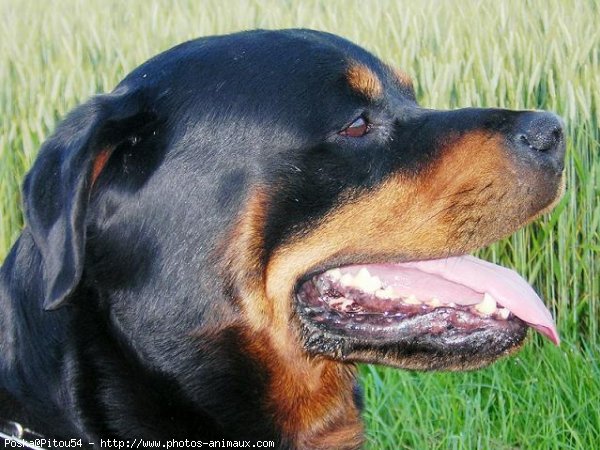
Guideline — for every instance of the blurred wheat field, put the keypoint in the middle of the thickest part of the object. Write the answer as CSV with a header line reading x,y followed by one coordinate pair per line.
x,y
537,54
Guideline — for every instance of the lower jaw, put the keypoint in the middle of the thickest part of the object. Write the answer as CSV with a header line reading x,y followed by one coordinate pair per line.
x,y
444,338
446,351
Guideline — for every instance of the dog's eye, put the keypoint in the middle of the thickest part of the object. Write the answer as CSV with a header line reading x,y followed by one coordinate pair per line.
x,y
358,128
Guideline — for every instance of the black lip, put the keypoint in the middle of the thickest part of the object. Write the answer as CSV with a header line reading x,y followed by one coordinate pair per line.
x,y
445,321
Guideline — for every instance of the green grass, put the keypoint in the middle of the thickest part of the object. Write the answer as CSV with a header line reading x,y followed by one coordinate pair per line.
x,y
515,54
523,402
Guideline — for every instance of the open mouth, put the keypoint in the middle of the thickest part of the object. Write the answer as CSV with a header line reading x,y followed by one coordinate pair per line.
x,y
450,302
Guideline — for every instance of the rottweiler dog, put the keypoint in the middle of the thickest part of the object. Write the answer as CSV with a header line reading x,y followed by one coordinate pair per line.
x,y
211,248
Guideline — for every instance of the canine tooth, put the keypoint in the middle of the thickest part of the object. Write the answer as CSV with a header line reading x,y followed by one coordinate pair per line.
x,y
503,313
385,294
434,302
335,274
412,300
487,306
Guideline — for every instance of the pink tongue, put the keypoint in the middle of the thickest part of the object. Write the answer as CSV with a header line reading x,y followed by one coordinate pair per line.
x,y
464,280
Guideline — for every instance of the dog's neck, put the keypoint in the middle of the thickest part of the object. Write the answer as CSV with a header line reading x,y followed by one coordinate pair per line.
x,y
315,401
302,409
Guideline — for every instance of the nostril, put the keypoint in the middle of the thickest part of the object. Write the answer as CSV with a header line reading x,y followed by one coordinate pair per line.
x,y
524,140
557,133
542,132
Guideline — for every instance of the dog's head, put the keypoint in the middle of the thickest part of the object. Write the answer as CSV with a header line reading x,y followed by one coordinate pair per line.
x,y
289,183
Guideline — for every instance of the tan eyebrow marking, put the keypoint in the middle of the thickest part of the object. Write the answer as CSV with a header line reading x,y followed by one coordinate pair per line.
x,y
402,77
364,81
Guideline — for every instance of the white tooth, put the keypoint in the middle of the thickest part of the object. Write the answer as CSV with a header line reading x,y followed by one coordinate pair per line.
x,y
503,313
366,282
412,300
363,273
372,285
383,294
487,306
335,274
362,276
386,293
375,281
347,280
434,302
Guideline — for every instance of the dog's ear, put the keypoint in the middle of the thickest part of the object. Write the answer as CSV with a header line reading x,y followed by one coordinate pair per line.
x,y
57,188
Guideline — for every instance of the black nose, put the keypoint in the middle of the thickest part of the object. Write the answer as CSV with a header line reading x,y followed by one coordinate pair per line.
x,y
541,132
